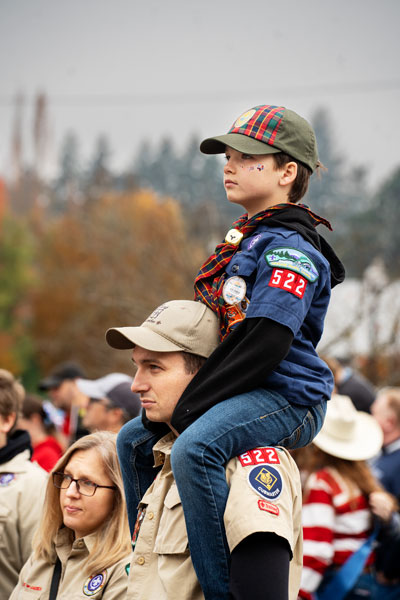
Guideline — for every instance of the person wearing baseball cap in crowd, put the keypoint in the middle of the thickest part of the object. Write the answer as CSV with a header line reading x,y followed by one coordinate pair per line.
x,y
262,516
112,402
342,502
269,283
61,387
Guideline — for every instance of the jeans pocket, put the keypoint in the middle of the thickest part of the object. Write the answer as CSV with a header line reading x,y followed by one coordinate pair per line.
x,y
302,435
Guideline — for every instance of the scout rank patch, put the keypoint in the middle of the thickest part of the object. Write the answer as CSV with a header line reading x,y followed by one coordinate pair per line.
x,y
266,481
6,479
94,583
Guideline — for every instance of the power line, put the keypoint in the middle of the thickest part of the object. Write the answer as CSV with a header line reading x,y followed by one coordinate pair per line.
x,y
125,99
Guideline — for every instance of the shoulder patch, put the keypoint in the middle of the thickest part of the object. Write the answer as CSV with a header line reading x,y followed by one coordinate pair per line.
x,y
266,481
6,479
259,456
294,260
94,583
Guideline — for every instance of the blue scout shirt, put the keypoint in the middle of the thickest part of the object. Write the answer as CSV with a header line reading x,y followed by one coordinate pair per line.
x,y
288,281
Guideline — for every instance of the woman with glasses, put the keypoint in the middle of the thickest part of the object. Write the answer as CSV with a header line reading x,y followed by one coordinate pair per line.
x,y
82,547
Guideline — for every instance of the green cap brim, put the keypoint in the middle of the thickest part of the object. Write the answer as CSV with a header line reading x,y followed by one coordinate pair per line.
x,y
237,141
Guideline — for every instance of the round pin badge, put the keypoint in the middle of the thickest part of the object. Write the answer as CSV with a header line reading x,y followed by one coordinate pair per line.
x,y
94,584
242,120
266,481
234,290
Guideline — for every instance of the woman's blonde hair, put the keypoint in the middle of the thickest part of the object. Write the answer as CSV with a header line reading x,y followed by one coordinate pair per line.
x,y
112,539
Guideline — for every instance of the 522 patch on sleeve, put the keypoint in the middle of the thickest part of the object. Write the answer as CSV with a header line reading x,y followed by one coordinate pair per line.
x,y
288,281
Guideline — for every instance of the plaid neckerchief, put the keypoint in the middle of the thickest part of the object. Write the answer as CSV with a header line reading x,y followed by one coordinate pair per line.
x,y
211,277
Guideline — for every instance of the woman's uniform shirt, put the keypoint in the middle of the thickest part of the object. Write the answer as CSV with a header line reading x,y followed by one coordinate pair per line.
x,y
335,524
75,583
22,487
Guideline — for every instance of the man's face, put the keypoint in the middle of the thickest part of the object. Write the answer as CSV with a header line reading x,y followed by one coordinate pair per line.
x,y
96,416
382,413
63,395
160,379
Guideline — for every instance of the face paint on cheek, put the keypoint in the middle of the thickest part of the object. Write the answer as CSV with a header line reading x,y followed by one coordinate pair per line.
x,y
260,167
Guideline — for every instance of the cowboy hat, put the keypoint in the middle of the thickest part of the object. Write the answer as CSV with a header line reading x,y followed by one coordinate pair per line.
x,y
348,433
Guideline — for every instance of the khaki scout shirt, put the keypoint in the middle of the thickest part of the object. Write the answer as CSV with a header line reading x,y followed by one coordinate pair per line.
x,y
22,488
35,578
265,496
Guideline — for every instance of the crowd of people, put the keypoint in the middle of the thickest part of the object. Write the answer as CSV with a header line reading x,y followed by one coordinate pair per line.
x,y
181,483
347,480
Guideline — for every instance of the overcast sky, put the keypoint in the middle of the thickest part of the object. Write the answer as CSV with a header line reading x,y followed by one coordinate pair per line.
x,y
147,70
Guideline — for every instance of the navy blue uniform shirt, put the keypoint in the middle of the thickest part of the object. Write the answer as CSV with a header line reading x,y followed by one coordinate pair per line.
x,y
288,281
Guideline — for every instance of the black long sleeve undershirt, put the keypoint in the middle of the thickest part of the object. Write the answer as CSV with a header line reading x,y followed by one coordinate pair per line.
x,y
260,568
238,365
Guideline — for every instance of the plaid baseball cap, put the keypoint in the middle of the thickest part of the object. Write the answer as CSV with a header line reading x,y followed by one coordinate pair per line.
x,y
268,130
175,326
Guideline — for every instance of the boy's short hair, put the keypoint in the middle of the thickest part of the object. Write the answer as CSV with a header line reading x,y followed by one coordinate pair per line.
x,y
12,395
299,186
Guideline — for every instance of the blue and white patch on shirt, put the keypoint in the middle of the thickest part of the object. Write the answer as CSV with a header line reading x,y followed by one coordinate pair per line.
x,y
266,481
94,584
6,479
294,260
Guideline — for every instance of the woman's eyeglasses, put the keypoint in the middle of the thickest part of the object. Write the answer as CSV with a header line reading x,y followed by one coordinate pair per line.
x,y
85,487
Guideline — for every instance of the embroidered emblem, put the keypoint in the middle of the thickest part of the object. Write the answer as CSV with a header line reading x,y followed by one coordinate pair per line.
x,y
294,260
244,118
268,507
259,456
253,241
267,482
235,314
6,479
139,520
234,237
94,584
288,281
35,588
234,290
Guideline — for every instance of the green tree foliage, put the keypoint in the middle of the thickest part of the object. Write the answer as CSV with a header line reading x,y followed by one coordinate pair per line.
x,y
67,187
99,177
339,193
385,219
15,280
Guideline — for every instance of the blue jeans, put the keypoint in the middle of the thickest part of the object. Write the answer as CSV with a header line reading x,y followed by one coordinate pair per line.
x,y
198,458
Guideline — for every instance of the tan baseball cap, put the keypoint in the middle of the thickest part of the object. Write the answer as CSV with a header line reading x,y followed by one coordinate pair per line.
x,y
175,326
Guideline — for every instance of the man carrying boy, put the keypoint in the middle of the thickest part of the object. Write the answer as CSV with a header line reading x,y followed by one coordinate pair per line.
x,y
22,485
269,283
263,512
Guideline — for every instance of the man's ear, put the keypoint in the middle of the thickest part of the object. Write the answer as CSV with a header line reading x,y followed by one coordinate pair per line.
x,y
7,422
288,173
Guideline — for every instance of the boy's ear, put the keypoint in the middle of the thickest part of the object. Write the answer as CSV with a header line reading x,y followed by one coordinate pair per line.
x,y
7,422
289,173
